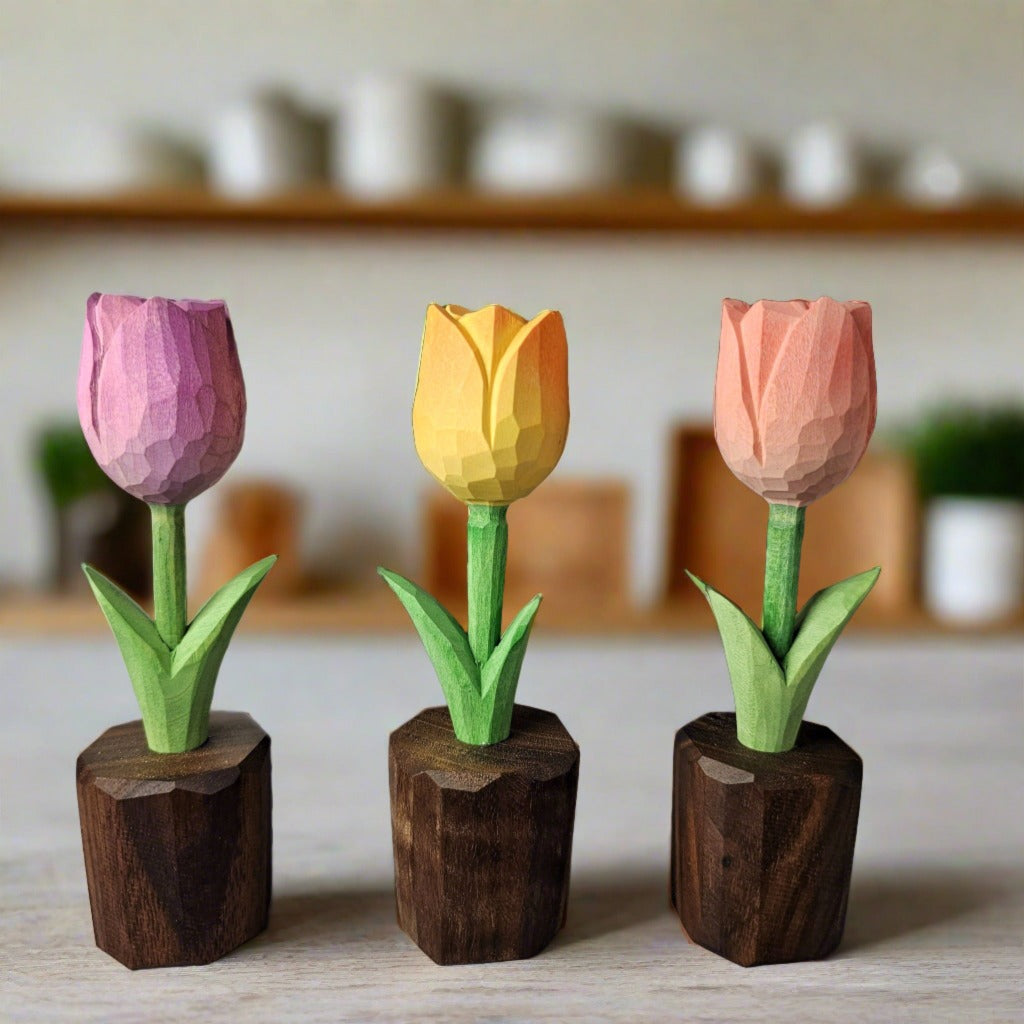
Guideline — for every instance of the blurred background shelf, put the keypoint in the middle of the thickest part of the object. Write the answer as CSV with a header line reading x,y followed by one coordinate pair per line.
x,y
468,211
330,176
351,612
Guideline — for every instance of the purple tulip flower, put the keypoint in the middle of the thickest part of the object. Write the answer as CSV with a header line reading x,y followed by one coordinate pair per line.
x,y
160,394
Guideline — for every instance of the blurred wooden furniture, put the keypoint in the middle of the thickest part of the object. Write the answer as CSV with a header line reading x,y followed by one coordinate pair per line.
x,y
255,518
638,210
568,540
717,530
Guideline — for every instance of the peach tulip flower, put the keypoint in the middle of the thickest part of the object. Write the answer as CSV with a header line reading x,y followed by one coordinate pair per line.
x,y
795,395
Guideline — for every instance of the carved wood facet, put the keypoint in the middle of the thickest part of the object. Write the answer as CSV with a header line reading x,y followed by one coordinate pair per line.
x,y
482,836
177,846
762,844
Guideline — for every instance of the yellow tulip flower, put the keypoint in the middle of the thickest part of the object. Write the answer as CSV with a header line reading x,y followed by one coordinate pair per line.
x,y
491,411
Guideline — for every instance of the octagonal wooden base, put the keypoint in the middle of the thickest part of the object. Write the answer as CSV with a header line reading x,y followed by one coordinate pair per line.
x,y
482,836
762,844
177,846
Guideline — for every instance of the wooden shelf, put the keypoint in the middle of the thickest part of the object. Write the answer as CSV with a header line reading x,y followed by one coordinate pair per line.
x,y
359,612
466,211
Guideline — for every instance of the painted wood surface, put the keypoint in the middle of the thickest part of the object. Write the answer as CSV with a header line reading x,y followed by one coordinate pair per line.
x,y
356,612
490,417
936,905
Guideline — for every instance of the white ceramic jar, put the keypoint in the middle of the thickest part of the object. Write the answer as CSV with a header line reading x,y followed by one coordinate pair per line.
x,y
266,143
821,166
397,136
974,558
715,166
932,177
547,151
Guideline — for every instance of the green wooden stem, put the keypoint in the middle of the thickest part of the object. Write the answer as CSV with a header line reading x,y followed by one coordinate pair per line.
x,y
486,548
170,604
781,576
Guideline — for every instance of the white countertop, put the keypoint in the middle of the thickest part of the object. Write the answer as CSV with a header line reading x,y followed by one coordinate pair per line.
x,y
934,930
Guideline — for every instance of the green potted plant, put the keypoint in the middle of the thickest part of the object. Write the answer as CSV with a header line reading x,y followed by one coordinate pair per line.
x,y
969,461
93,520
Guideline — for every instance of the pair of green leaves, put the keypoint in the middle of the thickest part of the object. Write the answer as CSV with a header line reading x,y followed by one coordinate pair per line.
x,y
480,697
771,697
174,688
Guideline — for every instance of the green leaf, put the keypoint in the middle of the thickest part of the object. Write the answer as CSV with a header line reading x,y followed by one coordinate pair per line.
x,y
500,675
447,647
146,656
758,683
196,661
216,621
175,688
818,627
771,699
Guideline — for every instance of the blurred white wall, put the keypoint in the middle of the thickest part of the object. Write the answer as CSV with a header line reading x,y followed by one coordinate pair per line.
x,y
328,324
897,71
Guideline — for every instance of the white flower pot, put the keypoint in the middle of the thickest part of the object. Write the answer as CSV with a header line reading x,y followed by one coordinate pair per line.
x,y
974,558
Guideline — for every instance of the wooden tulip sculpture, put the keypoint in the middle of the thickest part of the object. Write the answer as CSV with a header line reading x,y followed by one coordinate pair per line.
x,y
483,794
794,411
490,419
162,405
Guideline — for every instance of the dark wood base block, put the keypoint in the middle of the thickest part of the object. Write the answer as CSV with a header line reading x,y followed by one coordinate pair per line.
x,y
482,836
177,846
762,844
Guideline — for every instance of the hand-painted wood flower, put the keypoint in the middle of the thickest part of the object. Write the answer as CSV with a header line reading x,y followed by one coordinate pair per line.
x,y
491,412
162,405
795,405
490,419
160,394
795,397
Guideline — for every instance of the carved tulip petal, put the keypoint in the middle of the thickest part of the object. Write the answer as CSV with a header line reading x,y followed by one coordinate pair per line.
x,y
491,411
161,397
490,330
530,405
735,416
449,408
807,371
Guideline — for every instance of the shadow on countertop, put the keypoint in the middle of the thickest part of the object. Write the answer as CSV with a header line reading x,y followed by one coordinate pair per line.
x,y
886,904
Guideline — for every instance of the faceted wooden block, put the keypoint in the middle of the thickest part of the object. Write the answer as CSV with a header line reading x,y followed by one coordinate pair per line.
x,y
762,844
482,836
177,846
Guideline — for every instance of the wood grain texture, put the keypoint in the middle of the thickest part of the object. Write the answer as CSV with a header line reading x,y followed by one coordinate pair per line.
x,y
482,836
177,846
762,844
639,211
